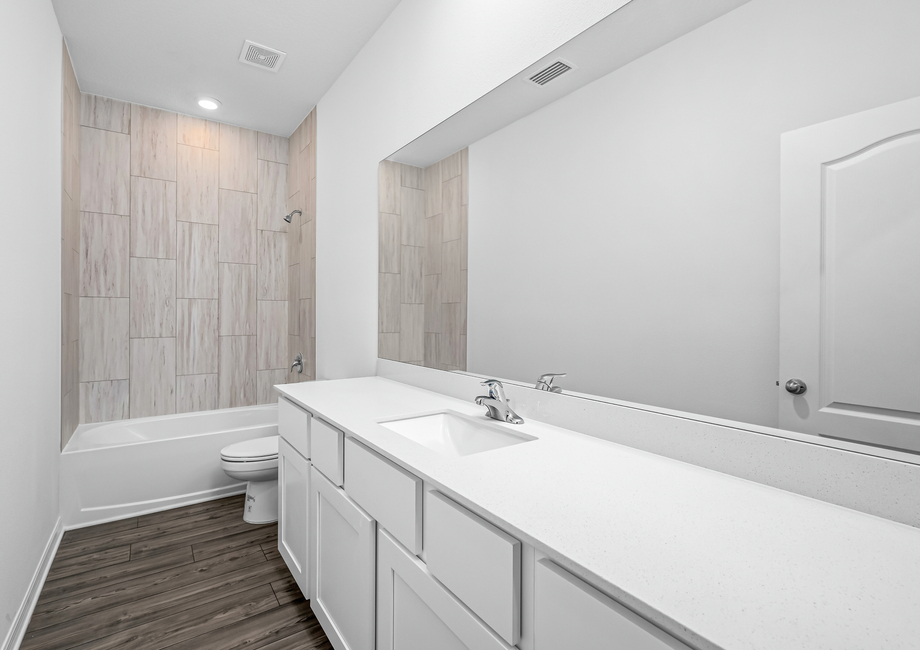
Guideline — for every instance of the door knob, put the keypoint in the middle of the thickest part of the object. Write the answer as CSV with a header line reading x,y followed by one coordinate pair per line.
x,y
796,386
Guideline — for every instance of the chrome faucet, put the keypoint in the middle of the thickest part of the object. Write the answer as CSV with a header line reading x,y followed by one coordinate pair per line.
x,y
298,363
545,382
497,403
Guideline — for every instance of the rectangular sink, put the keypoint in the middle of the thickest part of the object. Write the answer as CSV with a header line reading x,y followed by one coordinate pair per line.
x,y
453,434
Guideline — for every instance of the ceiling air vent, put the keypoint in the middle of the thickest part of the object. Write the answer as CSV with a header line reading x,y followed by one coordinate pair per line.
x,y
550,72
261,56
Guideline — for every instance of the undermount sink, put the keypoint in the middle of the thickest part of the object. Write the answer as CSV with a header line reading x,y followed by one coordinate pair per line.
x,y
453,434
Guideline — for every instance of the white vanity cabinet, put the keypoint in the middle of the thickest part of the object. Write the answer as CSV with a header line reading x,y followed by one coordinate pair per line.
x,y
569,613
294,513
415,612
344,550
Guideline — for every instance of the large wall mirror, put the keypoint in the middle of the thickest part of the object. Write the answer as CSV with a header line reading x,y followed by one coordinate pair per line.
x,y
677,209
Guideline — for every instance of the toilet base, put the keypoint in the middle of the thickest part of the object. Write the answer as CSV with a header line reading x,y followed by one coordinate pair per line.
x,y
261,506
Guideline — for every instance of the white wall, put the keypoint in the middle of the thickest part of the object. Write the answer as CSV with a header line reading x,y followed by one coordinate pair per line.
x,y
428,60
30,293
630,230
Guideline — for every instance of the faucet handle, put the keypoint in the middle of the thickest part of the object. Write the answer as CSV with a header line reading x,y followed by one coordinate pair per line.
x,y
545,382
496,390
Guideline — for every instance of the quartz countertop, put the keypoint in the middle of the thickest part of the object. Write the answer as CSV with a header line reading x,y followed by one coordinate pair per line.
x,y
718,561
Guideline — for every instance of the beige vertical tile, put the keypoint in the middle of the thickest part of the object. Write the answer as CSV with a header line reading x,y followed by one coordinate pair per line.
x,y
103,338
450,166
449,338
464,237
294,300
238,309
410,275
272,196
273,266
433,190
309,360
412,217
153,143
294,230
307,164
70,312
463,352
307,318
298,140
412,333
388,345
450,271
307,247
104,255
464,296
239,159
196,132
431,286
153,218
237,371
197,272
105,172
388,237
413,177
389,186
431,350
104,401
465,176
434,229
388,302
70,364
450,205
266,380
196,393
153,298
238,240
309,202
107,114
309,129
196,174
294,176
70,415
272,334
153,377
196,339
273,148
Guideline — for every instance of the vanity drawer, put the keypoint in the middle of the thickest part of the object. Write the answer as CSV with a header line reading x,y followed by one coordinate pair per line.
x,y
328,454
479,563
294,426
570,613
390,494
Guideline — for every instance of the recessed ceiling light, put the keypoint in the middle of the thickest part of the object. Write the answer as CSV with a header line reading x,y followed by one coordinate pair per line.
x,y
208,103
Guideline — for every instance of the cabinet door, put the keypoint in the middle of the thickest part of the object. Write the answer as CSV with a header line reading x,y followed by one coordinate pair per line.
x,y
415,612
293,513
344,559
569,613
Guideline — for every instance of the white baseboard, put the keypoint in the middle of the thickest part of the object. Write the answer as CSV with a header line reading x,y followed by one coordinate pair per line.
x,y
21,622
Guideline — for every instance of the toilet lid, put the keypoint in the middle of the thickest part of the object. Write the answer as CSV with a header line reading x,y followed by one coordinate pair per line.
x,y
255,449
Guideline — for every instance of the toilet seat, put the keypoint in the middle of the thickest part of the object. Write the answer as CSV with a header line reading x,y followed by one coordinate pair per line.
x,y
256,451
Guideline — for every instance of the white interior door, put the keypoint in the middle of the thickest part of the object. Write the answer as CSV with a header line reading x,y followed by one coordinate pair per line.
x,y
850,277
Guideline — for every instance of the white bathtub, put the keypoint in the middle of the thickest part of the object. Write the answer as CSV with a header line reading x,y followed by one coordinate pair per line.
x,y
122,469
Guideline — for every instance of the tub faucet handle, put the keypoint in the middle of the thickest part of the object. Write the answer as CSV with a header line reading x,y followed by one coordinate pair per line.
x,y
298,363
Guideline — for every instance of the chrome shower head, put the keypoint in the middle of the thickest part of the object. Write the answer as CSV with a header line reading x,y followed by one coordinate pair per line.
x,y
288,217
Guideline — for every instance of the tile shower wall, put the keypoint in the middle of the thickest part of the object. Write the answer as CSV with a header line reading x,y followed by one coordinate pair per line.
x,y
183,284
70,250
423,262
301,247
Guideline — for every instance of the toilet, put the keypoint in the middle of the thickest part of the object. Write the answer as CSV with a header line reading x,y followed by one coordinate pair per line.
x,y
255,461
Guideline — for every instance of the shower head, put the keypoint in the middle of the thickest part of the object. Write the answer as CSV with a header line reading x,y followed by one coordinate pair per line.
x,y
288,217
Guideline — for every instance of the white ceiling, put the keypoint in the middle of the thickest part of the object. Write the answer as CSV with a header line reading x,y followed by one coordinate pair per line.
x,y
167,53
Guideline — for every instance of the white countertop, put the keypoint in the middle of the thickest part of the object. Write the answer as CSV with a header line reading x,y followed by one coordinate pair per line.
x,y
718,561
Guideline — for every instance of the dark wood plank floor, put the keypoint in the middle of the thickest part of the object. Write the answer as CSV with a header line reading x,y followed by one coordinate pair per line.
x,y
197,577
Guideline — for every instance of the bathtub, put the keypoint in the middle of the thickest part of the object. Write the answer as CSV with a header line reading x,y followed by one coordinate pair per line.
x,y
123,469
